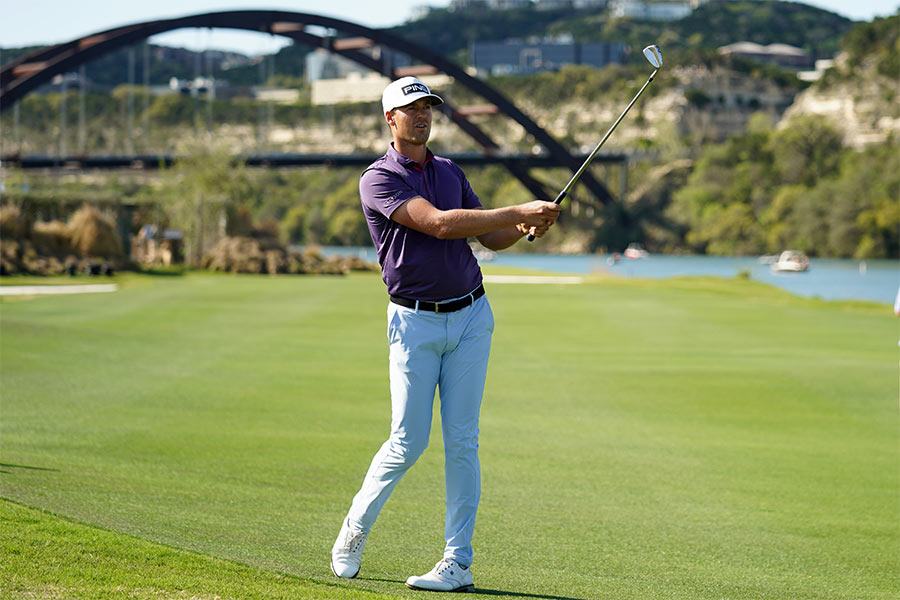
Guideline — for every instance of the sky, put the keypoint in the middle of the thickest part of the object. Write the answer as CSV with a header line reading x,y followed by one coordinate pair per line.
x,y
42,22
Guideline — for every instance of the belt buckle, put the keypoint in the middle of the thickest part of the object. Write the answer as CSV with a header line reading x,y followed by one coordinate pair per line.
x,y
437,307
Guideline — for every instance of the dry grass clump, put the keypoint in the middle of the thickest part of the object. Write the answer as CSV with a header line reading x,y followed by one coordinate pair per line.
x,y
52,238
87,243
93,235
12,223
251,255
235,255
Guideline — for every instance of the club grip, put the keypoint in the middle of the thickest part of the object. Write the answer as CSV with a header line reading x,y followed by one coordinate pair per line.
x,y
558,200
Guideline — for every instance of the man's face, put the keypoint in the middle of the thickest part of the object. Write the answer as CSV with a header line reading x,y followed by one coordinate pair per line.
x,y
411,123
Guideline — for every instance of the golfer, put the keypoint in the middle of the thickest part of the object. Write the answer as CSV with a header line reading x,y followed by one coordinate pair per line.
x,y
420,209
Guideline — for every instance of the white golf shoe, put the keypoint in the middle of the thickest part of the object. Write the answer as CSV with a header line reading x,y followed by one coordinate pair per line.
x,y
346,554
446,576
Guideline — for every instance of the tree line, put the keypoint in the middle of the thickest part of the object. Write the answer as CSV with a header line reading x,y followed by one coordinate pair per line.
x,y
798,187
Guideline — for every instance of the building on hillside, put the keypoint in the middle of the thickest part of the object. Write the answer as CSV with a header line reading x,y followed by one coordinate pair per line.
x,y
461,5
323,64
519,58
553,4
277,95
508,4
576,4
357,87
646,11
200,86
718,102
816,74
779,54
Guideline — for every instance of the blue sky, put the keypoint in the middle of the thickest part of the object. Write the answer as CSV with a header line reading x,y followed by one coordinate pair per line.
x,y
37,22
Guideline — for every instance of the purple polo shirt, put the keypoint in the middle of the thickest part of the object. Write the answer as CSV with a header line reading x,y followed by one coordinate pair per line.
x,y
413,264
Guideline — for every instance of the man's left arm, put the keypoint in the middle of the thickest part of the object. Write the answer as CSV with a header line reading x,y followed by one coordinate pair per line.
x,y
501,238
504,238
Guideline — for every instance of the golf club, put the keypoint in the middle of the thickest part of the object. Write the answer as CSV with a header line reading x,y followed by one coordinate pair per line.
x,y
654,57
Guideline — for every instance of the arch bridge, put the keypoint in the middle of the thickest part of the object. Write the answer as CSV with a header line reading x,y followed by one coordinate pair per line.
x,y
29,72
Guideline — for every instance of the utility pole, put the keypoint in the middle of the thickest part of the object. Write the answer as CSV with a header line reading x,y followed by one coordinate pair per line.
x,y
260,130
130,125
145,134
210,90
82,125
63,114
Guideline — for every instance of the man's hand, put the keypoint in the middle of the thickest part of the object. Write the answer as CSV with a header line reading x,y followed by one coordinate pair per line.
x,y
539,213
538,216
535,231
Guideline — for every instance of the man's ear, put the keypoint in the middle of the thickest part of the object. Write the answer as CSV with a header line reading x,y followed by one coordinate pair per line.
x,y
389,117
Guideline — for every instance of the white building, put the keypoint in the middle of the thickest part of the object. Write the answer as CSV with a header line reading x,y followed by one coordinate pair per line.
x,y
508,4
781,54
659,11
822,65
322,64
460,5
277,95
357,87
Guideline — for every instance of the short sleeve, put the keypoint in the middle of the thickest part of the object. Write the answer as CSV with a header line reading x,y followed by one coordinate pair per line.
x,y
382,191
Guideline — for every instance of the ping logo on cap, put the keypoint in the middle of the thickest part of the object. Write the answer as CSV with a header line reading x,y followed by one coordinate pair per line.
x,y
414,87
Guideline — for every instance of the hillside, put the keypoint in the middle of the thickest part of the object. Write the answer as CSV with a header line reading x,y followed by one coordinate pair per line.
x,y
860,95
450,33
713,24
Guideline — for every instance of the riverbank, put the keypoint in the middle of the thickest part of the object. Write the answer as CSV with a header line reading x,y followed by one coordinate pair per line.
x,y
828,279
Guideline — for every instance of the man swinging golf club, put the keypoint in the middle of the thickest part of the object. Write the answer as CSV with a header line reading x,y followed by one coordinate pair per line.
x,y
420,209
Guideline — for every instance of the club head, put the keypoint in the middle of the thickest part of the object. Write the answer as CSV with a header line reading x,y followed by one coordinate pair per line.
x,y
654,55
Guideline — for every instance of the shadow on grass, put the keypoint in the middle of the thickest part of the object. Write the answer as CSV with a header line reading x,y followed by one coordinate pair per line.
x,y
509,594
485,592
167,271
10,466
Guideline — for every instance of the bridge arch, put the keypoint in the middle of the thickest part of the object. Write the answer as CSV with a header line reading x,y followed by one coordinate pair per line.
x,y
29,72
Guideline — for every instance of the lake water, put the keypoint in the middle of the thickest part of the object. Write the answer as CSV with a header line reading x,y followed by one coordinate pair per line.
x,y
827,278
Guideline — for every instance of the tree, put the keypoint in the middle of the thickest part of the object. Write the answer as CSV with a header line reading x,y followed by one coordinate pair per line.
x,y
204,192
808,150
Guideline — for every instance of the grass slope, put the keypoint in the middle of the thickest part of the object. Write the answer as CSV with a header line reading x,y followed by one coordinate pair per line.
x,y
693,438
50,557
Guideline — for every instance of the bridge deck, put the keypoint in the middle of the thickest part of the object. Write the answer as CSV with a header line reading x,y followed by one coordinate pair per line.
x,y
151,162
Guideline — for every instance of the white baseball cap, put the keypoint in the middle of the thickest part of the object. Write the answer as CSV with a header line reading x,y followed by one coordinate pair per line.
x,y
406,90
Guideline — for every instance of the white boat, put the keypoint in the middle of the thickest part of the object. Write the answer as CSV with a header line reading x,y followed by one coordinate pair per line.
x,y
792,261
635,250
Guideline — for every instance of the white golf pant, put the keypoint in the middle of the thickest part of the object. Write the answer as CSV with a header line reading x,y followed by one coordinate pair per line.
x,y
448,351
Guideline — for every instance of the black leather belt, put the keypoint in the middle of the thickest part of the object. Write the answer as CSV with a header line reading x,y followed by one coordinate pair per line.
x,y
440,307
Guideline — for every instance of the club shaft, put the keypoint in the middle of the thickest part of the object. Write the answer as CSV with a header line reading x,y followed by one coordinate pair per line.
x,y
584,165
587,162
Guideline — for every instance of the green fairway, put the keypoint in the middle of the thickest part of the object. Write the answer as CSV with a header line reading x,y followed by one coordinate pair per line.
x,y
202,436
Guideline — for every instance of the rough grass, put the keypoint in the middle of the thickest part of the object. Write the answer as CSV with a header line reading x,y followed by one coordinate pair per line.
x,y
694,438
45,556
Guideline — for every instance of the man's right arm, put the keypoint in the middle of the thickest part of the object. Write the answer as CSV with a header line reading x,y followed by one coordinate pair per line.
x,y
419,214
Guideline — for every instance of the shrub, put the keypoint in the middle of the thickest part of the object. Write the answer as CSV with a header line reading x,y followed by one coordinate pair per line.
x,y
51,239
12,224
93,235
